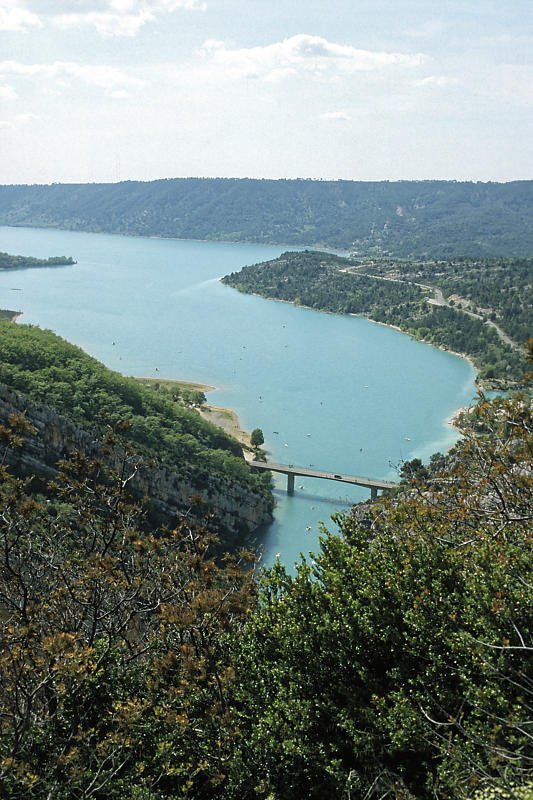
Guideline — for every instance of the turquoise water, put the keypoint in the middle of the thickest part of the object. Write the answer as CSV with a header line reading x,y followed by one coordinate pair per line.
x,y
342,393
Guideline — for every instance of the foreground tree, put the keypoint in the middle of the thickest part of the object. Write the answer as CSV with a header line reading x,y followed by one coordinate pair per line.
x,y
113,678
398,662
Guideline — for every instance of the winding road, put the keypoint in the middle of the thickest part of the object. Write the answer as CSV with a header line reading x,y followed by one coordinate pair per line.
x,y
439,300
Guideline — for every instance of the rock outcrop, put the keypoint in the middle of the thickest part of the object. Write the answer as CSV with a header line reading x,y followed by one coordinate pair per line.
x,y
238,510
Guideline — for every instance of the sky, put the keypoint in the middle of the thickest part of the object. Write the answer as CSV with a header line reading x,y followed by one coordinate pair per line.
x,y
109,90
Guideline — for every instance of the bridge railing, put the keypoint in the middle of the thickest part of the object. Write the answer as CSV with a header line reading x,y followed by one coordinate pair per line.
x,y
290,470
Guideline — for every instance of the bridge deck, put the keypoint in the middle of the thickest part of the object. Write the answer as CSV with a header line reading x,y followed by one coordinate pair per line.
x,y
290,469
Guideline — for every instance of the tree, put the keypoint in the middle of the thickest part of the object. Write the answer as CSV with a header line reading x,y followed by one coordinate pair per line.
x,y
113,678
413,469
257,438
192,397
398,662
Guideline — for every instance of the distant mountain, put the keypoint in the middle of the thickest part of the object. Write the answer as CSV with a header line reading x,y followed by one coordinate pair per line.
x,y
404,219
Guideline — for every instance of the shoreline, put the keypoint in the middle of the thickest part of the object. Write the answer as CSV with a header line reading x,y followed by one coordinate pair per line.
x,y
484,386
444,349
225,418
168,382
452,419
12,316
182,238
441,347
228,420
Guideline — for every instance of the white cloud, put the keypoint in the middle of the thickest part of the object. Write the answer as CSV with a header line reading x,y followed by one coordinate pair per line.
x,y
336,115
301,53
106,24
436,80
16,18
28,117
427,30
173,5
121,17
108,78
21,119
7,92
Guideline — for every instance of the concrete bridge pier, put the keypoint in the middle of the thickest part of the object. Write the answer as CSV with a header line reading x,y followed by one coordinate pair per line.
x,y
290,471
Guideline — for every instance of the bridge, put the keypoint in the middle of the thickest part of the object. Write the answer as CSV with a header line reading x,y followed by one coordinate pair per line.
x,y
290,471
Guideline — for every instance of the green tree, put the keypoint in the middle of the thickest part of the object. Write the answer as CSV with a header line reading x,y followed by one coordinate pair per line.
x,y
257,438
113,674
398,662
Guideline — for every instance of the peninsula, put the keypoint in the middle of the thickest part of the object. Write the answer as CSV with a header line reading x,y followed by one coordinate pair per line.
x,y
479,308
224,418
8,261
72,400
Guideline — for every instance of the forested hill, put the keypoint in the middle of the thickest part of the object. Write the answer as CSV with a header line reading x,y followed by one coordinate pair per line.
x,y
193,456
7,261
406,218
479,307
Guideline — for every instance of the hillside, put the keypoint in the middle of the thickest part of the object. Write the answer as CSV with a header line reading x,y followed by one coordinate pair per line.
x,y
396,662
7,261
407,218
73,399
478,307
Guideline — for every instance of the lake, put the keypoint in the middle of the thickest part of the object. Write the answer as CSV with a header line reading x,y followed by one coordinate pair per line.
x,y
341,393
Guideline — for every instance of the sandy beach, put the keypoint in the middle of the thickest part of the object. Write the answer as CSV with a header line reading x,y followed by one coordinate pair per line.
x,y
224,418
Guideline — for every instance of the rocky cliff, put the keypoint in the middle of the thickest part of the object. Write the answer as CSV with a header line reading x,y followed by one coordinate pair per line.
x,y
237,509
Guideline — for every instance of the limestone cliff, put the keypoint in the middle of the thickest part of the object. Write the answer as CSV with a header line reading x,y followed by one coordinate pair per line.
x,y
238,509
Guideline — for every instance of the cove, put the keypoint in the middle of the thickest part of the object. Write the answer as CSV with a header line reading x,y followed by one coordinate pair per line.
x,y
341,393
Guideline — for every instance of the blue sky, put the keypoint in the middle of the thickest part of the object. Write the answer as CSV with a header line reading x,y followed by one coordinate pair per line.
x,y
358,89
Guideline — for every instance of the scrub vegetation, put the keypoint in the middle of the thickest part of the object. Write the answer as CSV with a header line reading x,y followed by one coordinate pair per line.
x,y
396,662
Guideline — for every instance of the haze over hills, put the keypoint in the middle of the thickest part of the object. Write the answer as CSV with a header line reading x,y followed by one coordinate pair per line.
x,y
406,218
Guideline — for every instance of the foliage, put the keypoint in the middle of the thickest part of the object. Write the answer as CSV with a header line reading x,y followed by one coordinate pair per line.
x,y
257,438
46,368
113,670
317,280
389,291
398,662
193,398
499,289
405,218
8,261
